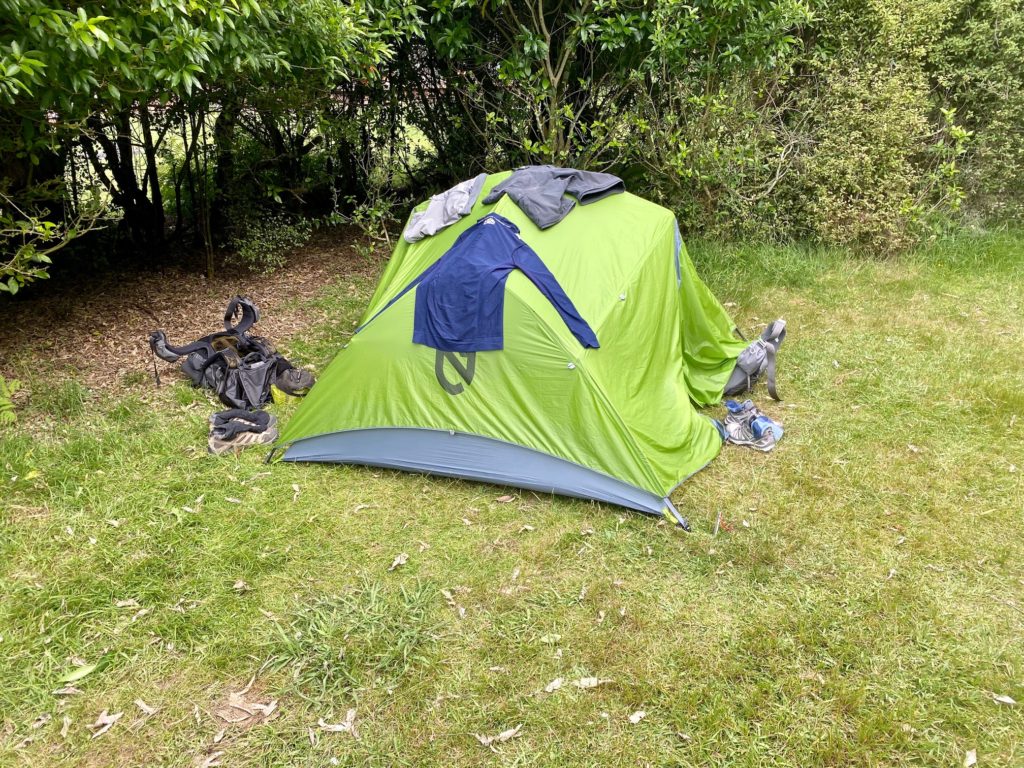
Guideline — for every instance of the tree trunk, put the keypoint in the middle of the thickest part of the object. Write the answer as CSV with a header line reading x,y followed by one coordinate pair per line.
x,y
143,220
156,222
224,169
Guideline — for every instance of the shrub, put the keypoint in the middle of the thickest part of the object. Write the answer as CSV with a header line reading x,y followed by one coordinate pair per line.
x,y
7,389
862,184
262,244
977,67
717,159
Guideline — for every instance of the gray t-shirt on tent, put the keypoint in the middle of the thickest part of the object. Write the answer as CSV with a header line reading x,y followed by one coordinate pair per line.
x,y
444,209
540,191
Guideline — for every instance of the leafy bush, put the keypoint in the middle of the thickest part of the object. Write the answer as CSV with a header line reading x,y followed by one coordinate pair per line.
x,y
843,141
977,67
7,389
263,243
718,159
862,184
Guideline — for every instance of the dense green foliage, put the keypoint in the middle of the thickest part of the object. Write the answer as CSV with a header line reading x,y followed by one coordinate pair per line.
x,y
859,122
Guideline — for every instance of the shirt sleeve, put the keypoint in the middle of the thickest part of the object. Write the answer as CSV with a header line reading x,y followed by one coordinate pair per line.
x,y
529,263
415,281
498,190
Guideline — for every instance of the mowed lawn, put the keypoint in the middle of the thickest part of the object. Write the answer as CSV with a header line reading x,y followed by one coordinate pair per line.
x,y
862,603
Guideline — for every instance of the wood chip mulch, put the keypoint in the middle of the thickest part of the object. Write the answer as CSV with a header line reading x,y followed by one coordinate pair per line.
x,y
97,329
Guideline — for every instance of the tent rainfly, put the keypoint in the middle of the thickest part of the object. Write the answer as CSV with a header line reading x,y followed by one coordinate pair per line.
x,y
616,423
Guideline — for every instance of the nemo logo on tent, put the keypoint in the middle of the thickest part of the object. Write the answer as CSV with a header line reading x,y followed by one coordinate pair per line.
x,y
465,370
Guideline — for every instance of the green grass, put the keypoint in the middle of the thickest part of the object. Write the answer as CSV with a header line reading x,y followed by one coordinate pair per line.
x,y
862,603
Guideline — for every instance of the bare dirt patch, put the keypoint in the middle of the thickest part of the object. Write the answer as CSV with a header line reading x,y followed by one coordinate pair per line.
x,y
98,327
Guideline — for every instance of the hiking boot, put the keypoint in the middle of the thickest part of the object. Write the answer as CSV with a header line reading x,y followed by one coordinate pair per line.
x,y
220,443
295,382
746,425
235,429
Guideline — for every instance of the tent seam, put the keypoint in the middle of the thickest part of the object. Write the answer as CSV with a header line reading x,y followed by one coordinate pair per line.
x,y
581,366
629,282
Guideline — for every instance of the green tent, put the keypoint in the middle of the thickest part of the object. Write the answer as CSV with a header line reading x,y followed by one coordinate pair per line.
x,y
616,424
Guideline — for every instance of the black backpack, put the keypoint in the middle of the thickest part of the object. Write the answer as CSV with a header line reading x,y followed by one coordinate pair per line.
x,y
240,368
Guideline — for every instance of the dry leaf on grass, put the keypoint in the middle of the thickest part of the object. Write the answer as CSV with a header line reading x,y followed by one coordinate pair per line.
x,y
971,758
219,736
527,529
265,709
505,499
238,709
229,712
637,716
211,760
590,682
240,586
400,559
348,725
40,721
295,495
450,599
65,727
145,707
130,603
489,741
554,685
1002,698
67,690
104,723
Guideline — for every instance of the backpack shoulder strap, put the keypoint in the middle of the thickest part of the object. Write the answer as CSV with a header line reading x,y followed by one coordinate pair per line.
x,y
250,315
773,337
167,351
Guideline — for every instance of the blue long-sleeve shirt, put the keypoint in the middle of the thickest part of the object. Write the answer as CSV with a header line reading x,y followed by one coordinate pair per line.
x,y
460,298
